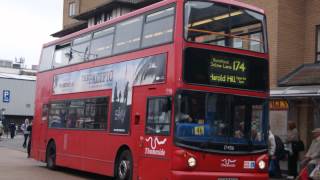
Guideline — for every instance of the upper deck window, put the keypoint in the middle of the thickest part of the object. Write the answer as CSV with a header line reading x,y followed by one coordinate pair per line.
x,y
158,28
102,43
46,58
133,34
224,25
61,55
128,35
80,49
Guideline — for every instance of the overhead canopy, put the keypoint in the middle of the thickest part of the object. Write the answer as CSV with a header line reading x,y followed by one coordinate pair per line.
x,y
306,74
296,91
70,29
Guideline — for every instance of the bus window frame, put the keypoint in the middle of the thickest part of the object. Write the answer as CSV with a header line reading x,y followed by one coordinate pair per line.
x,y
264,28
73,44
144,14
111,33
67,44
50,61
82,129
170,117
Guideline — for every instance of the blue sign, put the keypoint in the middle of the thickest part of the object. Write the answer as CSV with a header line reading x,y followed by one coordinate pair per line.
x,y
6,96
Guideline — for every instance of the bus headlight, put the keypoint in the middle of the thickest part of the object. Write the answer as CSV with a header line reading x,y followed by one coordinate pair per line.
x,y
192,162
262,164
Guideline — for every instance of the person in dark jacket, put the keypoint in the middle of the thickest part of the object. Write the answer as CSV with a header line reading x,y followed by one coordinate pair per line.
x,y
293,155
29,128
12,128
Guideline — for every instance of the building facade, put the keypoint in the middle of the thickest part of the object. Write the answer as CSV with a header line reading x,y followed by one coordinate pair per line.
x,y
80,14
17,93
294,45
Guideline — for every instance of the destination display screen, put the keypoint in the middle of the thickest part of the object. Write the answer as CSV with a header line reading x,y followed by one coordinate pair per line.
x,y
233,71
207,67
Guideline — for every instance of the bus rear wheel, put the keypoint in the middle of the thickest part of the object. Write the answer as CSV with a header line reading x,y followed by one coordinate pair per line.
x,y
51,156
124,166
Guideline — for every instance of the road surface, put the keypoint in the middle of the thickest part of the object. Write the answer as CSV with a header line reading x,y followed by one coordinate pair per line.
x,y
14,165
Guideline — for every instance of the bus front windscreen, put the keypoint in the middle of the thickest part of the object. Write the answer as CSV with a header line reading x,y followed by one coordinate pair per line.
x,y
224,25
220,122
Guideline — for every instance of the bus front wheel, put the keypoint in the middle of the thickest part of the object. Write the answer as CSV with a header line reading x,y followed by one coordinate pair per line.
x,y
124,166
51,156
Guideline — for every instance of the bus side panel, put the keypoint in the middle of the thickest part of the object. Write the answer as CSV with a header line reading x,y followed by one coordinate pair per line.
x,y
40,121
98,152
68,147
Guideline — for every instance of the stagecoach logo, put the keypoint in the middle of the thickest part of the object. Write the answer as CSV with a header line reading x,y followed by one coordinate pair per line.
x,y
228,163
153,147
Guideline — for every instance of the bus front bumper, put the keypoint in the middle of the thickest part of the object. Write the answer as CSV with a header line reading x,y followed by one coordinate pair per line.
x,y
187,175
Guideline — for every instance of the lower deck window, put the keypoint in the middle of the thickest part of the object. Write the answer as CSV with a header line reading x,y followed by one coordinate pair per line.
x,y
79,114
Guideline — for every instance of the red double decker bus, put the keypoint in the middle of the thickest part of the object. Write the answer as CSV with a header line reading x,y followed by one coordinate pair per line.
x,y
176,90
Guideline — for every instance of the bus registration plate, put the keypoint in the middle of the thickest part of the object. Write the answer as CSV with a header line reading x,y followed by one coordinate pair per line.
x,y
227,178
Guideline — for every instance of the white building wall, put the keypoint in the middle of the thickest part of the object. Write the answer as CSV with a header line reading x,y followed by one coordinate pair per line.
x,y
22,96
9,70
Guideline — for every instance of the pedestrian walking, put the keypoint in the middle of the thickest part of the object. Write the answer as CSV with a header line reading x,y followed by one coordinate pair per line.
x,y
29,128
293,154
12,128
1,130
276,151
25,131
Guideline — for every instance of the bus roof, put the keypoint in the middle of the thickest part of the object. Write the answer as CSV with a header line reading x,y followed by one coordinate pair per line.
x,y
140,11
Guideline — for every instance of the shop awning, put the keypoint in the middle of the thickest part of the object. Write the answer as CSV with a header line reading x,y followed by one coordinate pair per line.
x,y
296,91
305,75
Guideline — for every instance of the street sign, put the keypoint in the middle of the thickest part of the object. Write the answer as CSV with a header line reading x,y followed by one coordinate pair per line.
x,y
6,96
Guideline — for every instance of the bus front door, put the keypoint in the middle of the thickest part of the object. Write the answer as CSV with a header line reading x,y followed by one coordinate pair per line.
x,y
155,141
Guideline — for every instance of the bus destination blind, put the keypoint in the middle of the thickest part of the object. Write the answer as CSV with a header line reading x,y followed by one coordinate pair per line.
x,y
213,68
225,71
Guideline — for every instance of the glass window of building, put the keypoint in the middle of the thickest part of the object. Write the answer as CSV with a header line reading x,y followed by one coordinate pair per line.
x,y
318,43
72,9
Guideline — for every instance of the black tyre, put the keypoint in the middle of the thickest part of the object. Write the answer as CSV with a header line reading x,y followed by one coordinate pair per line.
x,y
124,166
51,156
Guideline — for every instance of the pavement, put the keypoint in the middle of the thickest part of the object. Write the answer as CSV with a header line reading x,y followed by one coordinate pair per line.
x,y
15,143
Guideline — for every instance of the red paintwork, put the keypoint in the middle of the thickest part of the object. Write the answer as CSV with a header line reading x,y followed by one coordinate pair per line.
x,y
95,151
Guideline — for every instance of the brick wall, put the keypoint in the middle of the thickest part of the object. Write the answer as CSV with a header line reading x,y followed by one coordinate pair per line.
x,y
271,8
291,29
312,19
82,6
290,36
